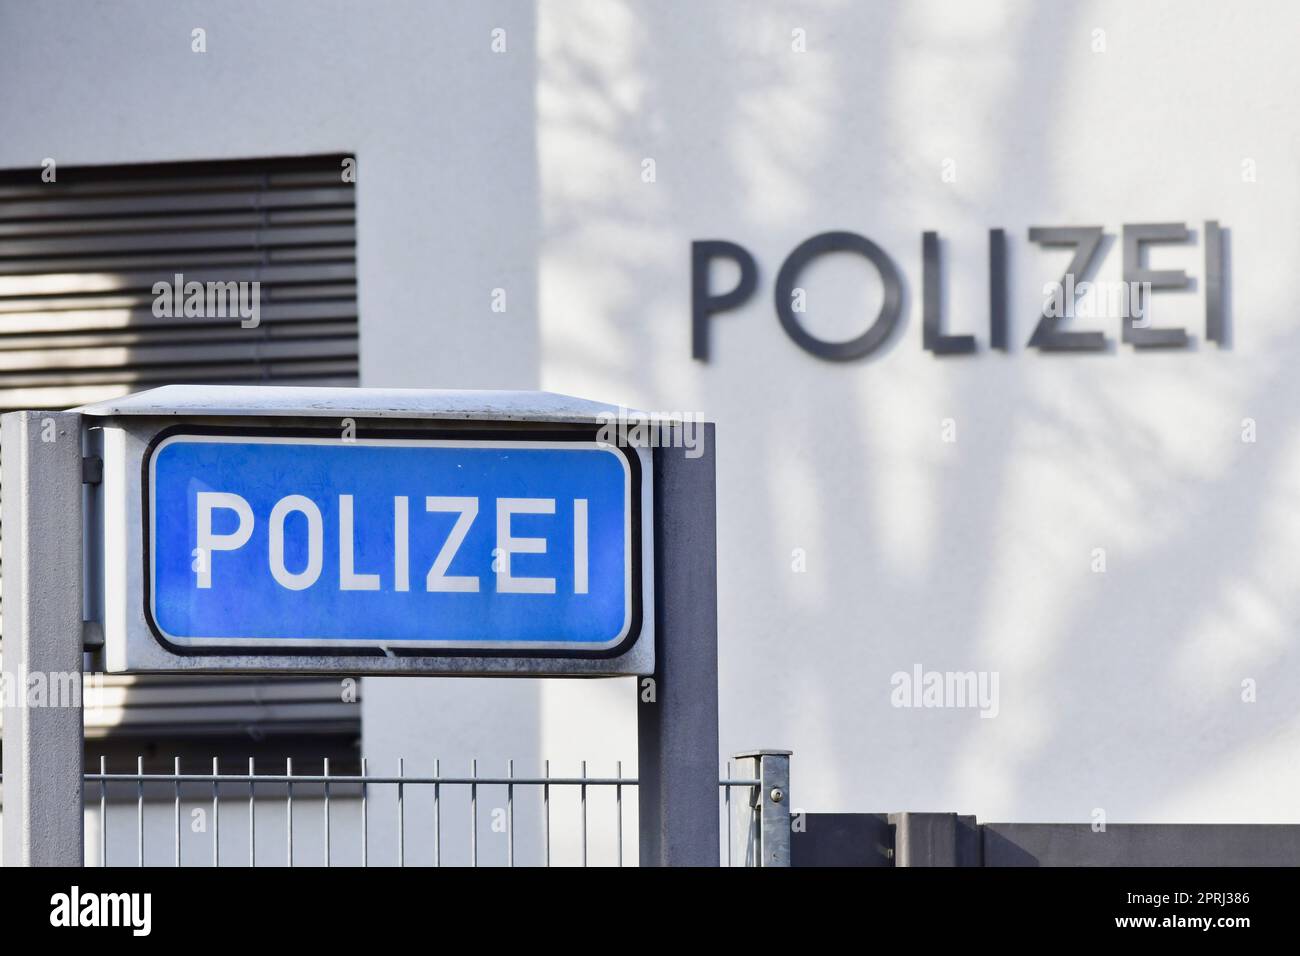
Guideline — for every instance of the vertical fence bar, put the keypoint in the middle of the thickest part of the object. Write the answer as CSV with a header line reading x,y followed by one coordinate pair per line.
x,y
176,792
216,814
584,813
618,807
437,812
139,809
510,814
726,808
401,812
288,772
103,811
546,811
365,817
252,816
44,818
326,774
473,812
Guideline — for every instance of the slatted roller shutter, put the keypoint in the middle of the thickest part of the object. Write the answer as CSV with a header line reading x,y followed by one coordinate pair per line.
x,y
79,258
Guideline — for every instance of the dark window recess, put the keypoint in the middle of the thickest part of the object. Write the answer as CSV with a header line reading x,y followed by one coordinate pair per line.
x,y
79,258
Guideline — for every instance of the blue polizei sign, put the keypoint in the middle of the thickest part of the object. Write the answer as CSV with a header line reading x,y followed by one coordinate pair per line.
x,y
309,544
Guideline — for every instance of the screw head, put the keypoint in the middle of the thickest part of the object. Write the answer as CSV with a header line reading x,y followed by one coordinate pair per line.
x,y
777,795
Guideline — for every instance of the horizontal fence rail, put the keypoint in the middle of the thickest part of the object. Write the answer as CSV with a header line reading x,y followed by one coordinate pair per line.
x,y
262,798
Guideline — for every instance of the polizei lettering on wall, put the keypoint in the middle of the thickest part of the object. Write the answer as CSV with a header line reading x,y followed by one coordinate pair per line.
x,y
1050,333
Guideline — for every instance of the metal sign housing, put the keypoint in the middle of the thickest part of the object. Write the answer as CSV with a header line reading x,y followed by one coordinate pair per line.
x,y
265,529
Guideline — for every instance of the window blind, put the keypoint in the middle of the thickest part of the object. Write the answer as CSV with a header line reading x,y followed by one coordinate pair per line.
x,y
79,259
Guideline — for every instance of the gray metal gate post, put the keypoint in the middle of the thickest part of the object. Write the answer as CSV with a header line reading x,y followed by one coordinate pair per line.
x,y
42,638
765,835
677,714
936,839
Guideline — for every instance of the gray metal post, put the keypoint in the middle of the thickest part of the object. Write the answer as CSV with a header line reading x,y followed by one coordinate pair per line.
x,y
677,714
935,839
765,834
42,638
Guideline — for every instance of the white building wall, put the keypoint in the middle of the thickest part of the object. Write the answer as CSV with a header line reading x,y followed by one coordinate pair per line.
x,y
523,171
1119,691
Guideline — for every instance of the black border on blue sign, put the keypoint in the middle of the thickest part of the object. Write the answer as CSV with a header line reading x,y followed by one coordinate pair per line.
x,y
475,431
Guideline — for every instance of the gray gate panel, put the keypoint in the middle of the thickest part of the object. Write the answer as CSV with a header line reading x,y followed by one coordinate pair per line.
x,y
1141,844
842,839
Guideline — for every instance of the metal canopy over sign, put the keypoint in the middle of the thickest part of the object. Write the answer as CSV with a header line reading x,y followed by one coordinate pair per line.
x,y
368,531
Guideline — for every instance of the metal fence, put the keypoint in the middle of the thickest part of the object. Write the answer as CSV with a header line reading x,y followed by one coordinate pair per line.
x,y
344,807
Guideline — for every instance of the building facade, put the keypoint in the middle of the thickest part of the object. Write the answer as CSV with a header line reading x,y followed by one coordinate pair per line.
x,y
1101,534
